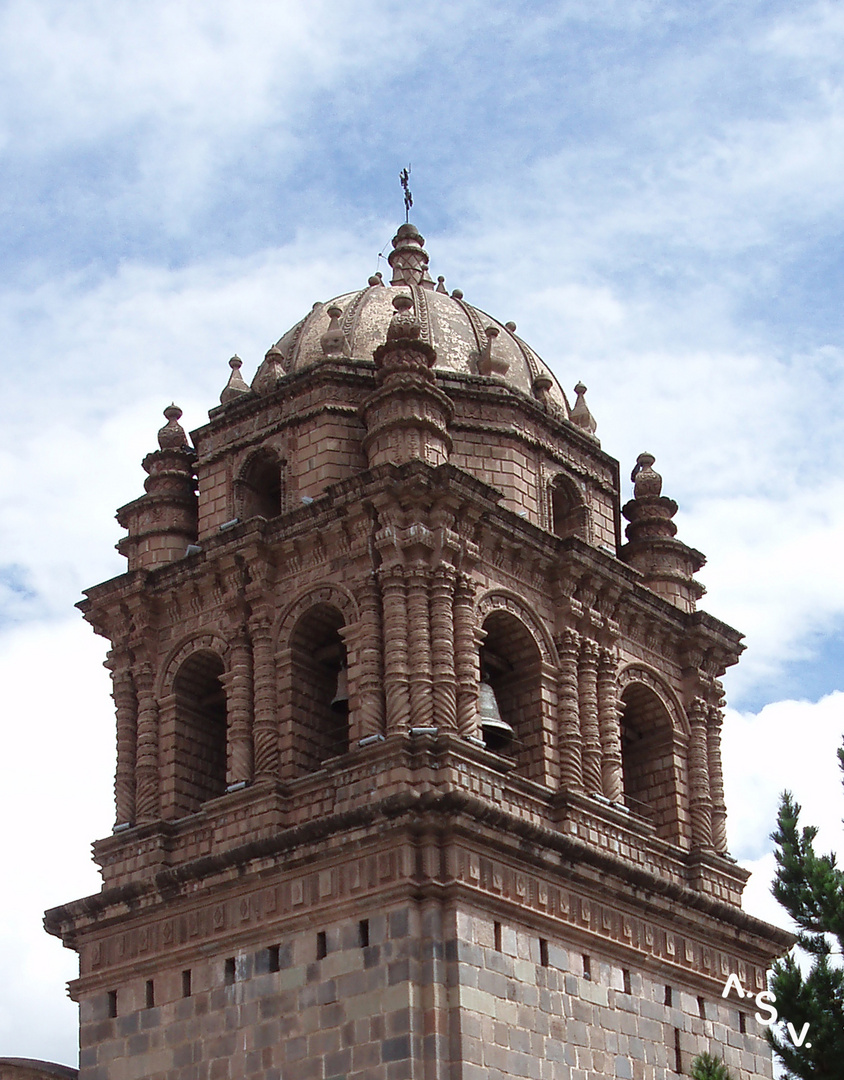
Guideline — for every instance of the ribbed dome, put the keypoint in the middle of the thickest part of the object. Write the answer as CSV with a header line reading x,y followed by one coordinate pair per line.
x,y
466,339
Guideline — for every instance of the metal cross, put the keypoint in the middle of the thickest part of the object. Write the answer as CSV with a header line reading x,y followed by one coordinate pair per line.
x,y
404,177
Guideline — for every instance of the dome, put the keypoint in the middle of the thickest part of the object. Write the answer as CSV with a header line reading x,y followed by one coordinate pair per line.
x,y
467,340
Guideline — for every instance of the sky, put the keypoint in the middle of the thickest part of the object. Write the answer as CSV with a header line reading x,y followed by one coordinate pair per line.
x,y
651,190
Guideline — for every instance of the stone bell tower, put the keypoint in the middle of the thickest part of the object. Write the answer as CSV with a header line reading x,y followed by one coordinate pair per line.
x,y
418,768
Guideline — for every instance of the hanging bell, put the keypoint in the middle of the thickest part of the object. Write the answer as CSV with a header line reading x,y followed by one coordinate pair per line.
x,y
497,733
340,701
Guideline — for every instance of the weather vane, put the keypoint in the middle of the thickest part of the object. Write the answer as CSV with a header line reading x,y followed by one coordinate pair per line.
x,y
404,176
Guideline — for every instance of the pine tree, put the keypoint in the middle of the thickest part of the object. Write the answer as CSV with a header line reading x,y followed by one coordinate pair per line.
x,y
811,889
707,1067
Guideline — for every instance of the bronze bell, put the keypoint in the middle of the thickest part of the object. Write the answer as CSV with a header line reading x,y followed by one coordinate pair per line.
x,y
340,701
497,733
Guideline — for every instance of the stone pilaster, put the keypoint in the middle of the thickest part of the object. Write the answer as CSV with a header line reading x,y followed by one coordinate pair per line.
x,y
700,803
397,698
466,657
571,765
419,647
610,728
370,675
238,686
589,729
442,649
126,709
147,804
714,719
265,725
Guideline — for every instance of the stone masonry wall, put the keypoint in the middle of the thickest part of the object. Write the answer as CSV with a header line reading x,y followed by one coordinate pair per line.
x,y
544,1010
411,992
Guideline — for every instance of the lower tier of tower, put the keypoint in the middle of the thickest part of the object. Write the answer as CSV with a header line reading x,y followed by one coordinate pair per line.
x,y
421,988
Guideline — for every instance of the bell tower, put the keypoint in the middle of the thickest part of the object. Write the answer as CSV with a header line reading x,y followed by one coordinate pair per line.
x,y
418,769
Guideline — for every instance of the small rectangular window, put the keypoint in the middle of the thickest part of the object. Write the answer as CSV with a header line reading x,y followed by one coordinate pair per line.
x,y
230,971
496,934
587,966
186,983
701,1008
273,958
625,975
742,1023
669,996
678,1056
112,1004
363,933
543,952
321,945
149,996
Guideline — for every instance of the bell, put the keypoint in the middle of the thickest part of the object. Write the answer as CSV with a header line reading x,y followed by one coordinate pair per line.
x,y
340,701
497,733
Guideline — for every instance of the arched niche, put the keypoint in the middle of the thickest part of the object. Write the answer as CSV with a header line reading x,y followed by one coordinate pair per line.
x,y
511,663
260,486
199,734
653,755
568,515
319,715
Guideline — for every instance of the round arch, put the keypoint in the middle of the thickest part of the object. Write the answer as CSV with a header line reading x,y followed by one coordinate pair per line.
x,y
329,594
650,677
198,641
511,603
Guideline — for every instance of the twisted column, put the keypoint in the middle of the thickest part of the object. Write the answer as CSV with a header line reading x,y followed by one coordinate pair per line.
x,y
264,726
396,694
146,769
466,658
568,711
126,709
442,649
610,727
589,730
714,719
419,648
370,678
700,803
238,686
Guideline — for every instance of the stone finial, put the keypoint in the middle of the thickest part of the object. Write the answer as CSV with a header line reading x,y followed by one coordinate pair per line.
x,y
511,326
441,285
404,323
667,565
409,259
376,279
646,480
457,294
541,385
492,362
237,385
270,371
333,341
172,435
580,414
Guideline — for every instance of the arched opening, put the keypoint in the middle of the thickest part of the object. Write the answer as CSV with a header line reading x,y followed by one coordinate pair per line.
x,y
510,665
318,688
200,744
651,762
568,514
261,486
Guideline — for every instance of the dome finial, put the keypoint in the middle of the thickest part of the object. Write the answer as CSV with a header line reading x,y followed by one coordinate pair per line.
x,y
580,413
172,435
236,384
409,259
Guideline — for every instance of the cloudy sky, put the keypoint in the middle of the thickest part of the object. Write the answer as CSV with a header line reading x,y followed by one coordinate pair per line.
x,y
651,190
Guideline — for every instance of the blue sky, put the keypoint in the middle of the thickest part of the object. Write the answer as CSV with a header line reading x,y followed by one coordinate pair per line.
x,y
652,191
